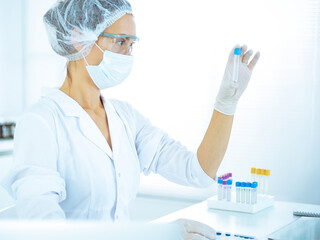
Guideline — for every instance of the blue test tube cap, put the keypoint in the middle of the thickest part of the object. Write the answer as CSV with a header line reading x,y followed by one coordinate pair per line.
x,y
248,184
256,183
238,184
228,234
220,180
218,233
237,51
243,184
229,182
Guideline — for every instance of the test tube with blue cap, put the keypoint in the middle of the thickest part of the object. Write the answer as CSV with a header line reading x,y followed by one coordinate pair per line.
x,y
236,63
224,189
243,192
248,192
229,188
254,194
238,187
220,181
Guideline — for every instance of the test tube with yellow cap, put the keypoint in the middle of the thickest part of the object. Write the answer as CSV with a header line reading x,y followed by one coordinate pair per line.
x,y
263,180
253,174
266,182
259,180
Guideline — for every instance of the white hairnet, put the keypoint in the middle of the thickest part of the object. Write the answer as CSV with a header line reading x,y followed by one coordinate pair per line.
x,y
79,23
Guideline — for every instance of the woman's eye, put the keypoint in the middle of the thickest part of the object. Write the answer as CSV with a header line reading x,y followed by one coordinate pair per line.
x,y
120,43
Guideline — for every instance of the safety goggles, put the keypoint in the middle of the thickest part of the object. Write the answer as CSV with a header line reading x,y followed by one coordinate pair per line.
x,y
122,44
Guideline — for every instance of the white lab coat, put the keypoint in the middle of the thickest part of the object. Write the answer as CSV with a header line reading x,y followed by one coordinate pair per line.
x,y
64,168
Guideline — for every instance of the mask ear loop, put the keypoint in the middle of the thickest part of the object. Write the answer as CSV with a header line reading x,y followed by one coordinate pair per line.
x,y
85,57
99,47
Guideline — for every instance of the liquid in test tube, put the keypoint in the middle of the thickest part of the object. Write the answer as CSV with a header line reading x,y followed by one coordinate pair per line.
x,y
236,64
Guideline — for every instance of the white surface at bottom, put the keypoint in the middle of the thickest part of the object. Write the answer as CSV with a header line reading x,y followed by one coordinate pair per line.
x,y
260,224
51,230
6,145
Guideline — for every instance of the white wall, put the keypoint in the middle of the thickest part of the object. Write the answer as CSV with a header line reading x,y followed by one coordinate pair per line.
x,y
179,65
178,68
11,58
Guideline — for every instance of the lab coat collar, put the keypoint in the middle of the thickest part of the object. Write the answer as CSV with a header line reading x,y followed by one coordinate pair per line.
x,y
69,106
89,129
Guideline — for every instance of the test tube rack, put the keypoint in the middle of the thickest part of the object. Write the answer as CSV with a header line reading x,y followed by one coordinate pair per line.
x,y
263,201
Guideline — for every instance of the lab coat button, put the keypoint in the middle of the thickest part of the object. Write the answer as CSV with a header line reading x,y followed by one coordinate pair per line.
x,y
117,217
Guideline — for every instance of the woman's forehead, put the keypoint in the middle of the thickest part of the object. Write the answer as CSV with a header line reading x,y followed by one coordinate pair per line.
x,y
123,26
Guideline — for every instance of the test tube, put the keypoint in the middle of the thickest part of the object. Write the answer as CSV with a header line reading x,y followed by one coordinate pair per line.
x,y
248,190
236,64
229,187
243,192
263,180
254,196
220,181
224,189
266,182
258,180
238,186
253,174
218,235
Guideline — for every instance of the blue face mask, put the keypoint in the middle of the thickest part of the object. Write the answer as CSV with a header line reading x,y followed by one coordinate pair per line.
x,y
113,69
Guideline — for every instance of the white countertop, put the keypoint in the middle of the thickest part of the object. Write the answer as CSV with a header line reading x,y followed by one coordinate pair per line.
x,y
260,224
6,145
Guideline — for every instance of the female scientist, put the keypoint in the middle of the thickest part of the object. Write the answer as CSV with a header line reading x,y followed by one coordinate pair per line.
x,y
77,154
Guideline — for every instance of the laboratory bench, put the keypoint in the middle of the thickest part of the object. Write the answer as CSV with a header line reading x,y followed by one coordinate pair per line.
x,y
260,225
263,225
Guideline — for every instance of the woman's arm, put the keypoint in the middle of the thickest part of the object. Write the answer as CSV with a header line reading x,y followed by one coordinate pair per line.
x,y
214,144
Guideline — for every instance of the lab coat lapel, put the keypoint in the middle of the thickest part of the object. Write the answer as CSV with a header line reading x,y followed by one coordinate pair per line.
x,y
93,133
87,126
115,127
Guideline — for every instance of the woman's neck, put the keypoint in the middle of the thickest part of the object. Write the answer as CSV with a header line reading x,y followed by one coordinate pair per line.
x,y
79,86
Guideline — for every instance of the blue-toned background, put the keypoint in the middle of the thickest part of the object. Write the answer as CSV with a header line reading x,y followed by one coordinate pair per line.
x,y
179,63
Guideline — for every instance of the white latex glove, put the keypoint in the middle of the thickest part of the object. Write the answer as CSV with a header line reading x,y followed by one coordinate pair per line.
x,y
193,230
230,92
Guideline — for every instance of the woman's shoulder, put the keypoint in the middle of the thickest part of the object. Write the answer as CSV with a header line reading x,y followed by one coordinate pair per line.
x,y
120,105
41,111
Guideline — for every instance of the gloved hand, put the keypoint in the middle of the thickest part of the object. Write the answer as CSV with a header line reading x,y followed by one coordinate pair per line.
x,y
230,91
193,230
